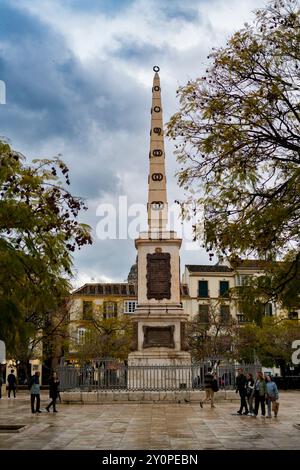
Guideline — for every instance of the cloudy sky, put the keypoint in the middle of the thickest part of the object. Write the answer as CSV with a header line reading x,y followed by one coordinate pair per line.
x,y
79,74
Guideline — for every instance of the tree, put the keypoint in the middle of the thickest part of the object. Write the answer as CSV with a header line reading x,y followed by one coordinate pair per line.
x,y
211,337
246,347
238,144
275,342
38,233
270,343
106,338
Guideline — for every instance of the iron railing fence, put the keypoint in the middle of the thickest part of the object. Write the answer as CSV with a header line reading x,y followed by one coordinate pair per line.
x,y
115,376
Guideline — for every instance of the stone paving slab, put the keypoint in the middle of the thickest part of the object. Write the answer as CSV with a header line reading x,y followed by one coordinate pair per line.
x,y
149,426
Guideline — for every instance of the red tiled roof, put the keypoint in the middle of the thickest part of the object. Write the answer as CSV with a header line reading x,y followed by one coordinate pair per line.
x,y
252,264
120,289
207,268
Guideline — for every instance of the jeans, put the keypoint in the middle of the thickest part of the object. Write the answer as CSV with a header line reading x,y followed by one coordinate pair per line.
x,y
38,401
243,401
250,402
52,403
259,400
11,389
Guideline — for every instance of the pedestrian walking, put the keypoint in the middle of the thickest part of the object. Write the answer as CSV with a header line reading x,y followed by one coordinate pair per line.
x,y
12,383
53,392
250,392
34,387
208,387
272,397
260,393
241,388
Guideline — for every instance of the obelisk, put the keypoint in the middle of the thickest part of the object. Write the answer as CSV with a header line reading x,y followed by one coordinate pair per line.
x,y
159,319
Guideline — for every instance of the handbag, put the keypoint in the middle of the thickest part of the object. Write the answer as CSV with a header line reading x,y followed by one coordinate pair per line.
x,y
275,406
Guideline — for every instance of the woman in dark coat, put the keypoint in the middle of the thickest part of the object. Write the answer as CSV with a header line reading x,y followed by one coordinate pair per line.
x,y
53,392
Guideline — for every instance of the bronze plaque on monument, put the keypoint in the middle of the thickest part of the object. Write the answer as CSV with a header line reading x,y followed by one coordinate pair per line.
x,y
159,336
159,276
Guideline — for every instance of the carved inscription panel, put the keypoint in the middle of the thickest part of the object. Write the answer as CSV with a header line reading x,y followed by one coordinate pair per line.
x,y
158,336
159,276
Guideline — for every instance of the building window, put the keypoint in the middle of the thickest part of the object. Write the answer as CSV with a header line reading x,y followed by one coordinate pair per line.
x,y
87,310
81,335
202,289
204,314
224,313
224,288
130,306
243,279
110,310
293,315
269,310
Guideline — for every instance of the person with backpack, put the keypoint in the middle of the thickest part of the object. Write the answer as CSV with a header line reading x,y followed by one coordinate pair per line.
x,y
241,388
34,387
210,387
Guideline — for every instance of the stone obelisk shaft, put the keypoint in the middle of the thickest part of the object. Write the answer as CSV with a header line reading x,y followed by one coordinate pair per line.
x,y
157,191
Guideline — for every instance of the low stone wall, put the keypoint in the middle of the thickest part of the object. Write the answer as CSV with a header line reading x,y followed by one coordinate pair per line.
x,y
110,396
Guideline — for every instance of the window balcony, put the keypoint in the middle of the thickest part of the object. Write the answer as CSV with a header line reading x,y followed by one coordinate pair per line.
x,y
203,295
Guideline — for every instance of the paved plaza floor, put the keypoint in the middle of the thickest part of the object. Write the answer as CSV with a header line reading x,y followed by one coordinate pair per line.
x,y
149,426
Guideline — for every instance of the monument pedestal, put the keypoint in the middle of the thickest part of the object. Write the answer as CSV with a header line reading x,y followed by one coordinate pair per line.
x,y
159,336
159,320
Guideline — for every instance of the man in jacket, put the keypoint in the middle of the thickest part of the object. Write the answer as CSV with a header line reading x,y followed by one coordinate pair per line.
x,y
241,387
12,383
53,392
208,387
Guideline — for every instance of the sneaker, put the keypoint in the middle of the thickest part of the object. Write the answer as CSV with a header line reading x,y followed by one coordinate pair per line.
x,y
212,406
246,413
38,411
239,412
54,411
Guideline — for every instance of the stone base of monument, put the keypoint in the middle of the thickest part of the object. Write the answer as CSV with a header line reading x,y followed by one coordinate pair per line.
x,y
161,369
107,397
